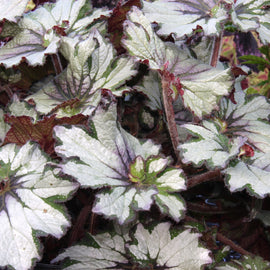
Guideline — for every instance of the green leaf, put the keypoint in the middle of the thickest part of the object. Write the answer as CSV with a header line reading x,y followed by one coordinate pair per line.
x,y
27,195
253,59
266,51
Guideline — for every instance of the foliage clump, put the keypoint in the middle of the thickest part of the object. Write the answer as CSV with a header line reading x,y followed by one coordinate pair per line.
x,y
133,136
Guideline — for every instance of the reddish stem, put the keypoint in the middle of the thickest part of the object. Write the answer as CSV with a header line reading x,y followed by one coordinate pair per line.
x,y
58,68
170,116
229,242
216,51
204,177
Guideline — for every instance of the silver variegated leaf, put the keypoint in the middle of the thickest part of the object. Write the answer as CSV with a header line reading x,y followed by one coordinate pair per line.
x,y
155,248
251,173
92,66
41,32
181,17
210,146
27,204
113,158
12,10
246,263
250,15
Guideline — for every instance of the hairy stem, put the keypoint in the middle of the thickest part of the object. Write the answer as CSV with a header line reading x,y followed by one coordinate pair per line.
x,y
216,51
170,117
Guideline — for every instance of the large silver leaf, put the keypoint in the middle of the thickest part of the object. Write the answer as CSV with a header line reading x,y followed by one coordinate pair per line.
x,y
27,204
181,16
250,15
155,248
113,158
41,32
210,146
237,140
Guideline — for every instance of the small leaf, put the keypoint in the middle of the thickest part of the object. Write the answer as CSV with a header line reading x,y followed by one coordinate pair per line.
x,y
22,108
211,146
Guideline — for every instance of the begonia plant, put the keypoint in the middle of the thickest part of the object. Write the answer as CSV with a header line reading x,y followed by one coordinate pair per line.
x,y
129,139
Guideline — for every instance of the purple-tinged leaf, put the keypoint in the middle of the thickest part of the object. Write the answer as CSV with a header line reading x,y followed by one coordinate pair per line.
x,y
181,17
41,32
113,158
